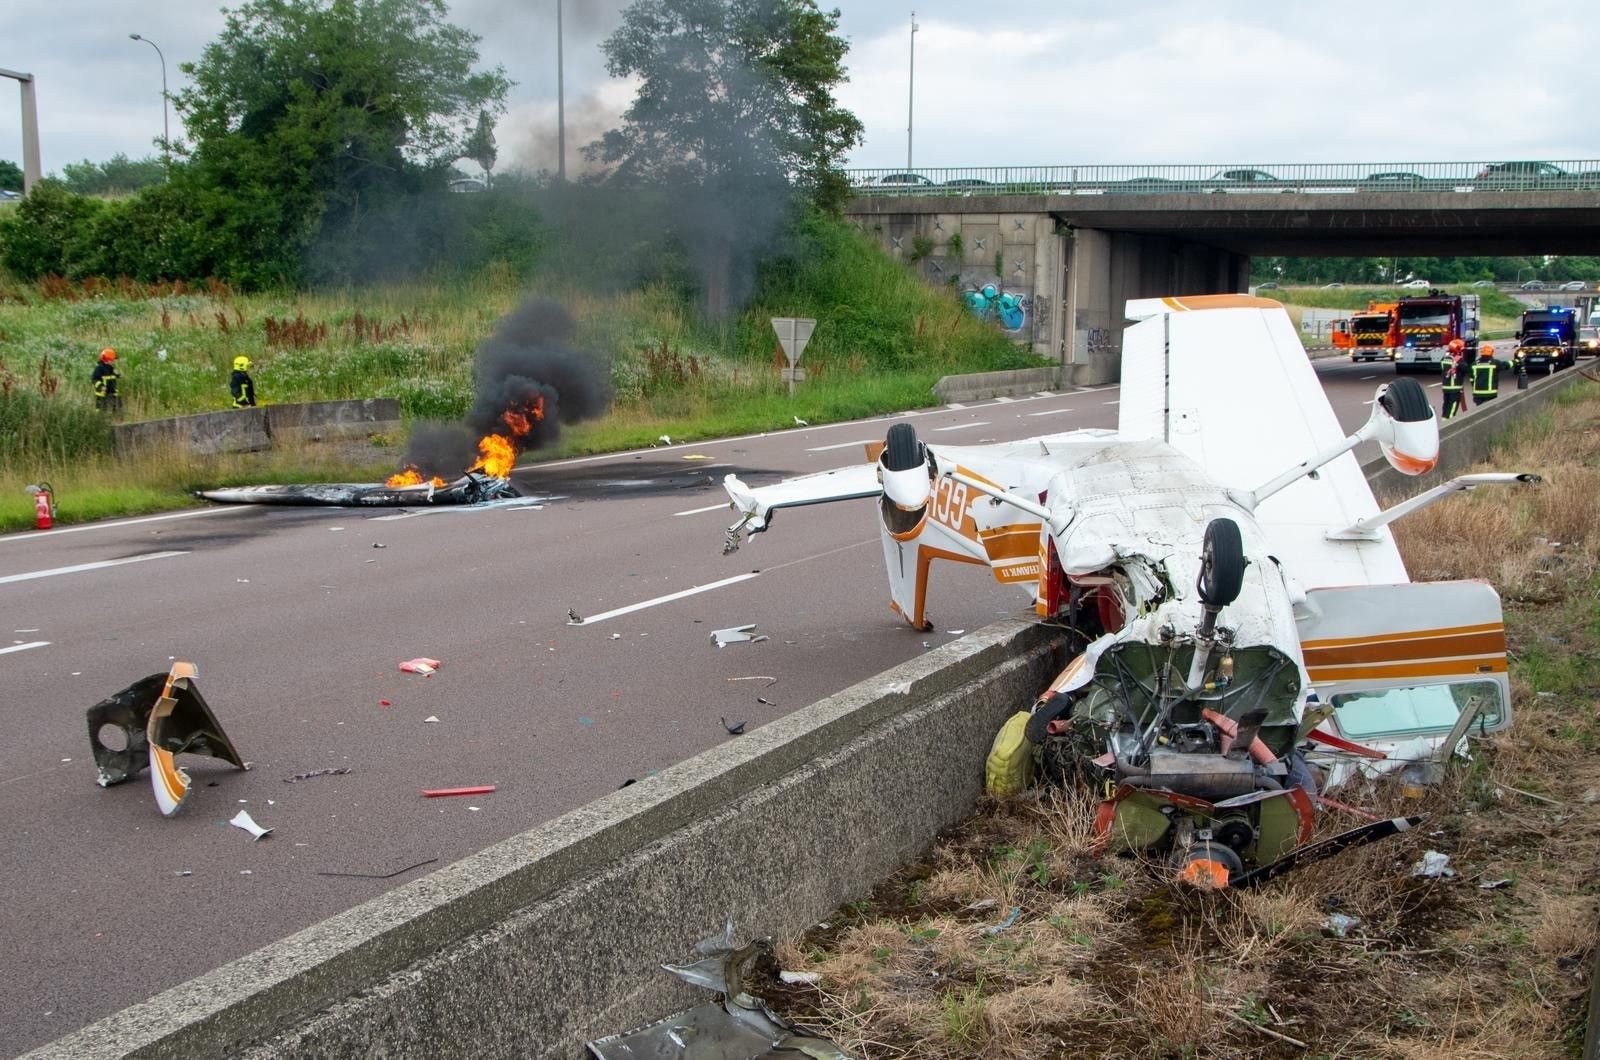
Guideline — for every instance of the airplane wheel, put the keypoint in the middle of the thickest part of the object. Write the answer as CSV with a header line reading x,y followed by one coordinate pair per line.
x,y
1407,401
903,452
1216,854
1221,564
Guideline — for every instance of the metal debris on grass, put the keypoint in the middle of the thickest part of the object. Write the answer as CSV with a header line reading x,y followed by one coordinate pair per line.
x,y
1433,865
739,1026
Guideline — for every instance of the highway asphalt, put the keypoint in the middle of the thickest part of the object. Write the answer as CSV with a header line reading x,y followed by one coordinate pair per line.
x,y
298,619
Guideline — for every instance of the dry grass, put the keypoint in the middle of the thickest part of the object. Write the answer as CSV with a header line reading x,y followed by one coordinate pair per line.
x,y
1106,960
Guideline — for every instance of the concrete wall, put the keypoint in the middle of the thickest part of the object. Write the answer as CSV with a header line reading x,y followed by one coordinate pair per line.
x,y
255,429
976,386
1105,269
1075,280
554,937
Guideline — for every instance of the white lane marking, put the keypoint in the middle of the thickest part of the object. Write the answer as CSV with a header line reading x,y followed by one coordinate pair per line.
x,y
962,426
1366,377
602,616
1049,412
1117,402
1431,386
954,405
843,445
24,647
78,567
36,535
707,508
1001,399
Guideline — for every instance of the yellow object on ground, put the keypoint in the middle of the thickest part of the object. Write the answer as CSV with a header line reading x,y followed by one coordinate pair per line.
x,y
1009,767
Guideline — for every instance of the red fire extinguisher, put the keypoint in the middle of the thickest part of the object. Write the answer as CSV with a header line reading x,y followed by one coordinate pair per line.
x,y
44,506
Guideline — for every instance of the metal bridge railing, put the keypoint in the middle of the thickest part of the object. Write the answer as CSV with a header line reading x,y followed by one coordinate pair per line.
x,y
1230,178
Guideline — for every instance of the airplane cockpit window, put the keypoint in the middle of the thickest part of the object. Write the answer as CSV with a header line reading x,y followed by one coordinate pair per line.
x,y
1386,712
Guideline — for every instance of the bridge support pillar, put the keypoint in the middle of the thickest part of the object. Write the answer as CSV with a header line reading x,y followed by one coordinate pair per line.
x,y
1105,269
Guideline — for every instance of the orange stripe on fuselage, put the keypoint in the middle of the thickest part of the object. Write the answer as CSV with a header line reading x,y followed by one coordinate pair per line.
x,y
1468,667
1486,643
1412,634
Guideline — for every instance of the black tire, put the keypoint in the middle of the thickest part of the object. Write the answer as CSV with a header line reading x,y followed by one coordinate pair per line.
x,y
1406,401
1222,564
903,452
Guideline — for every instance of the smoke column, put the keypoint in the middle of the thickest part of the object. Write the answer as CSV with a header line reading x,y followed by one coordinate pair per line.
x,y
529,356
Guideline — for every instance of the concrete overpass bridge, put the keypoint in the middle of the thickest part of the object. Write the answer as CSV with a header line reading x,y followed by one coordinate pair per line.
x,y
1073,243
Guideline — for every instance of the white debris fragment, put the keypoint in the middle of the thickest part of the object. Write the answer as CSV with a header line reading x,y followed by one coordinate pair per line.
x,y
955,632
1493,885
734,635
429,720
1338,925
242,819
799,978
982,904
1433,865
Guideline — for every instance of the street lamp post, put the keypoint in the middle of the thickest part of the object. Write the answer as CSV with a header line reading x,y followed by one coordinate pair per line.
x,y
911,87
561,105
166,136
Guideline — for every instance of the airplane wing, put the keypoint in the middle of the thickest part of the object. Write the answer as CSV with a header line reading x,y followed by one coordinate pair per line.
x,y
841,484
1225,380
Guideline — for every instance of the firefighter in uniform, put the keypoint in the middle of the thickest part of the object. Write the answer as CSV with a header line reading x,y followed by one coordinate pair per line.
x,y
1486,374
104,381
240,385
1453,365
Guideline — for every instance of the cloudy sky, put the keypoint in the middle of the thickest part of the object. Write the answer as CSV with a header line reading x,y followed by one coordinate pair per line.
x,y
1029,82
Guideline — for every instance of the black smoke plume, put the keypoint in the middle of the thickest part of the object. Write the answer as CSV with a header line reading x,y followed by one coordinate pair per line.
x,y
528,358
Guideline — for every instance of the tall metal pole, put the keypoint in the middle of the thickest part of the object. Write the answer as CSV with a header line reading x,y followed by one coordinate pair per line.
x,y
561,103
166,134
911,87
30,128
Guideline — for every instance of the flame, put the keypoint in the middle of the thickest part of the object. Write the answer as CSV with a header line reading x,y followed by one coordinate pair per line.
x,y
411,477
521,420
497,455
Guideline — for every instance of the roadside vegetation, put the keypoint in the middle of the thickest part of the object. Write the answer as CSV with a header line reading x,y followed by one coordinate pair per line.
x,y
882,341
1104,959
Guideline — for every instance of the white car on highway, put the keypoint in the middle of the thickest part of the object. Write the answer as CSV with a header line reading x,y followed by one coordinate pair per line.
x,y
1416,285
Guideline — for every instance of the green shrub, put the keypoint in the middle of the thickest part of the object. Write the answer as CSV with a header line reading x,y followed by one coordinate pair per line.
x,y
45,231
49,431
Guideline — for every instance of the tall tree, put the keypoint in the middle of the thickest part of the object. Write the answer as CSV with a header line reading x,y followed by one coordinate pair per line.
x,y
304,114
10,175
480,146
732,89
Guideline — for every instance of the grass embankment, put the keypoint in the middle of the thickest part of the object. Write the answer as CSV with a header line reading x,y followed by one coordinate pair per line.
x,y
1105,960
883,339
1500,314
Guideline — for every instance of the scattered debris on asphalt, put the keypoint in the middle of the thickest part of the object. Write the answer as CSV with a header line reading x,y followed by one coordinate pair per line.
x,y
419,665
442,793
735,729
764,699
379,875
770,680
160,716
736,635
430,720
243,820
336,771
574,618
740,1026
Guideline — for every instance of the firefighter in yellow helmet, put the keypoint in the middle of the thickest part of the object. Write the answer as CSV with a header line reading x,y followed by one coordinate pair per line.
x,y
240,385
104,381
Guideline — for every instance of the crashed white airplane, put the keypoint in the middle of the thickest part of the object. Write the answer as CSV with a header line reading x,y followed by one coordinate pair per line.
x,y
1248,636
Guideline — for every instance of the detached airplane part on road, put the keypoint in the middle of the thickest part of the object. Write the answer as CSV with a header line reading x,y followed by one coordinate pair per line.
x,y
1239,623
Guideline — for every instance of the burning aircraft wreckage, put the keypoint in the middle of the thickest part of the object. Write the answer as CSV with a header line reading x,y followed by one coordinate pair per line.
x,y
530,379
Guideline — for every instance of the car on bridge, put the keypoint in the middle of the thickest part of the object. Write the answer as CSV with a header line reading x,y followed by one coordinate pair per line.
x,y
1416,285
1573,285
1395,180
1533,285
1525,175
909,181
1237,180
971,185
1142,185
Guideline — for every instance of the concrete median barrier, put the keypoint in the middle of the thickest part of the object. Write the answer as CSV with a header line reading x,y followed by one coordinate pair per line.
x,y
1016,382
256,429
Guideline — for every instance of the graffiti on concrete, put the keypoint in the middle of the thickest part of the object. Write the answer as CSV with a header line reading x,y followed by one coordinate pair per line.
x,y
1009,310
1102,340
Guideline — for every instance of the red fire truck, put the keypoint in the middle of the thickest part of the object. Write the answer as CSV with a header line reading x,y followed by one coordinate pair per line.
x,y
1427,324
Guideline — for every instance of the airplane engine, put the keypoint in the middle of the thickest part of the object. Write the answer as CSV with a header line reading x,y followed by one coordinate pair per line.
x,y
907,476
1405,427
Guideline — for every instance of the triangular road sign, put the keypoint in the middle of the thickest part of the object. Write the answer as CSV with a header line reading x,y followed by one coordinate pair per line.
x,y
793,334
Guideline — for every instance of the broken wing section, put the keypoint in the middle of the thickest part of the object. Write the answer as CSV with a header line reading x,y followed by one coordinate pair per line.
x,y
756,505
1225,380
